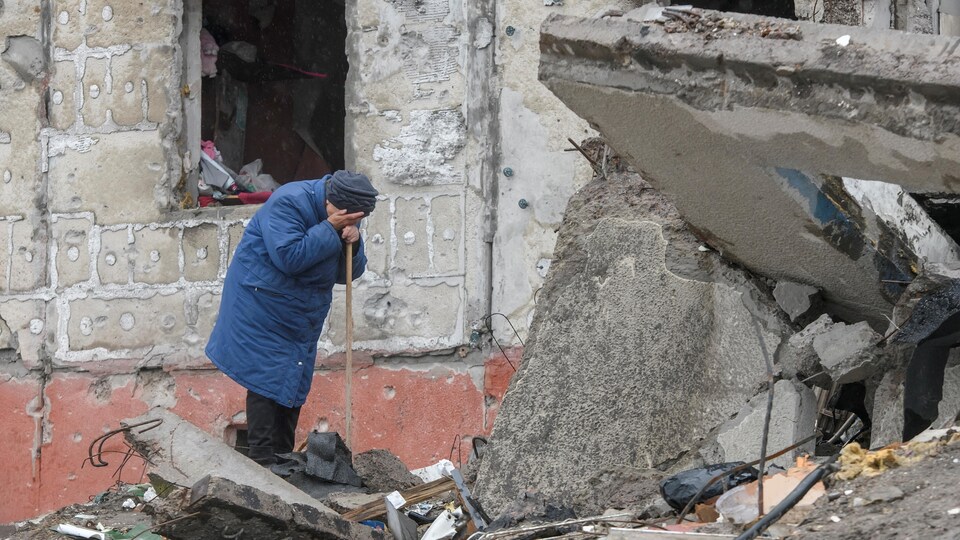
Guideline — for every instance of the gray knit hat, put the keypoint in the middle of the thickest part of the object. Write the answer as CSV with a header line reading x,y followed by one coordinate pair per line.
x,y
352,192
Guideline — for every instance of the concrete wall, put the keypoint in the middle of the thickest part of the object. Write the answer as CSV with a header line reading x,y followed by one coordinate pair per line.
x,y
109,289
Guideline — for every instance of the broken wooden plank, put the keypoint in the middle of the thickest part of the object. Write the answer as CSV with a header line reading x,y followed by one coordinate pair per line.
x,y
414,495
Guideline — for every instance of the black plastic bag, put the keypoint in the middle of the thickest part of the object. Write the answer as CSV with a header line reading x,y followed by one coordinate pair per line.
x,y
678,489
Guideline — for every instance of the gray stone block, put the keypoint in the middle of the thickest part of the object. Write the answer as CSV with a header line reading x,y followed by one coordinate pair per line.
x,y
796,299
223,506
641,346
793,417
848,352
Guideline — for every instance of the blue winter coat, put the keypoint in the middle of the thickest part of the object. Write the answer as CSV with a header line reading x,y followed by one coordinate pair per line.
x,y
277,294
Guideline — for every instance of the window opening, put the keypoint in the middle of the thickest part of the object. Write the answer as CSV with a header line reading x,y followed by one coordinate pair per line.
x,y
272,103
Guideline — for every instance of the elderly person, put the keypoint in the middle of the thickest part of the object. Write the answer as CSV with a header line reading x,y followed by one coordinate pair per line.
x,y
277,294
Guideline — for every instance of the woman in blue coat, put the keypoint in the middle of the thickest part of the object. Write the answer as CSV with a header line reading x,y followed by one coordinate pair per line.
x,y
277,294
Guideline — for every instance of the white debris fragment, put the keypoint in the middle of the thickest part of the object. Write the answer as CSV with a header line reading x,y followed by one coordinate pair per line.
x,y
150,494
436,471
953,511
129,504
843,41
396,499
703,249
79,532
848,492
835,519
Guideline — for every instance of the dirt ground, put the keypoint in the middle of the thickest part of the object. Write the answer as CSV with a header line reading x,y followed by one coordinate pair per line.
x,y
930,490
106,508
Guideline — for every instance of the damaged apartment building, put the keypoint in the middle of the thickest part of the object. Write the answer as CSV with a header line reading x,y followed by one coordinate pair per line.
x,y
651,218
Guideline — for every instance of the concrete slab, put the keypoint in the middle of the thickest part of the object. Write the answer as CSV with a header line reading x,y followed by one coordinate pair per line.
x,y
642,347
182,454
219,507
749,125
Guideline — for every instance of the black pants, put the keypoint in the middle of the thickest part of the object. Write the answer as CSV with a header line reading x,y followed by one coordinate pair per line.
x,y
270,428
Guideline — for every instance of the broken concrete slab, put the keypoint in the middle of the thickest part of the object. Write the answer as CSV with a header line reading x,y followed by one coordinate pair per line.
x,y
793,417
182,454
642,344
222,508
848,352
799,359
781,113
796,299
622,488
382,471
345,502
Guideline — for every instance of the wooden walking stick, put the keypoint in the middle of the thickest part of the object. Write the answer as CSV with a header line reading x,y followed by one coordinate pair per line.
x,y
349,375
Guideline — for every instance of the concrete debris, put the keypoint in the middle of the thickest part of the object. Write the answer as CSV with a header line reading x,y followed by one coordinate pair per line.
x,y
381,470
219,507
796,299
345,502
793,417
630,489
799,359
26,56
798,110
530,507
182,454
848,352
600,385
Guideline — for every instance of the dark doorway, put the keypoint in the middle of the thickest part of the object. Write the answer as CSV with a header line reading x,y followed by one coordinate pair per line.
x,y
771,8
278,91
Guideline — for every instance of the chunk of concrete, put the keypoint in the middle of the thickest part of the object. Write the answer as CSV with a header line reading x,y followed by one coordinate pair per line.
x,y
623,488
887,414
223,508
848,352
344,502
793,417
381,470
796,299
782,114
641,345
25,55
182,454
799,359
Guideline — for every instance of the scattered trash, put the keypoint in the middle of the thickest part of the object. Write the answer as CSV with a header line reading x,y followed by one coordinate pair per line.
x,y
856,461
436,471
129,504
149,495
678,489
402,527
85,517
843,41
397,500
79,532
443,527
739,505
835,519
954,511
